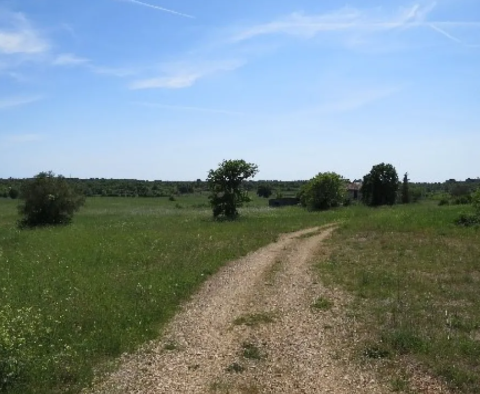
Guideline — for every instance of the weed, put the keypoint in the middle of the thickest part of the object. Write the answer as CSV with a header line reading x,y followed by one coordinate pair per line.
x,y
252,351
255,319
235,367
322,303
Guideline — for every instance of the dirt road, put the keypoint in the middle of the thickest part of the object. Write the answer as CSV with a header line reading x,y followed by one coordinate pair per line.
x,y
252,329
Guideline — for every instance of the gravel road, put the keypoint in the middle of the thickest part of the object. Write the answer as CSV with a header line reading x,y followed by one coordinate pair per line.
x,y
252,329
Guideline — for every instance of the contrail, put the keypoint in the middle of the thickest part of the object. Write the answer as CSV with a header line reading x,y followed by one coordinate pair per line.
x,y
160,8
444,33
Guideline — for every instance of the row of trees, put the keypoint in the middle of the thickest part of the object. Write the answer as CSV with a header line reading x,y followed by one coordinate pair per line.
x,y
50,199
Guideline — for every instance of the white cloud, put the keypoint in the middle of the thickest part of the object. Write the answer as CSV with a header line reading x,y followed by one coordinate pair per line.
x,y
172,82
11,102
20,37
68,59
183,75
353,21
189,108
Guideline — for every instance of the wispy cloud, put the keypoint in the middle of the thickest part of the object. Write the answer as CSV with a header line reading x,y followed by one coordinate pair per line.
x,y
19,37
188,108
141,3
356,99
354,21
114,71
23,138
68,59
11,102
184,76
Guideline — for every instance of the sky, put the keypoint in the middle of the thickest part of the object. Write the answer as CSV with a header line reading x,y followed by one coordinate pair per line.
x,y
167,89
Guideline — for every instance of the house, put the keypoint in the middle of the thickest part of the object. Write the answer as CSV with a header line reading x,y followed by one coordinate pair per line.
x,y
354,190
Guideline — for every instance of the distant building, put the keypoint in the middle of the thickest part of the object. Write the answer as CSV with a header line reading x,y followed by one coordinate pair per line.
x,y
354,190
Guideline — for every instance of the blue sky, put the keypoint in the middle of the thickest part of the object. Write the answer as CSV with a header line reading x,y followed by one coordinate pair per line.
x,y
167,89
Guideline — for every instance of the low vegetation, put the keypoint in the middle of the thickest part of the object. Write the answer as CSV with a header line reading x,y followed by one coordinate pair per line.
x,y
73,298
415,275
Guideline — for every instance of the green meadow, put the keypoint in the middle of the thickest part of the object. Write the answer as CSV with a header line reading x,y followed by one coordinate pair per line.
x,y
415,277
74,298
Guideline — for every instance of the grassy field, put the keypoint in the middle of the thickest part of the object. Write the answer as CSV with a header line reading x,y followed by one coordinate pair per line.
x,y
416,281
74,298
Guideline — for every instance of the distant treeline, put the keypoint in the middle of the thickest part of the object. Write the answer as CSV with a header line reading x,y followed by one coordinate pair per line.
x,y
101,187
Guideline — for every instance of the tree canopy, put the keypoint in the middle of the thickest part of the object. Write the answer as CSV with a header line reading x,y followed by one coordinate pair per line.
x,y
226,187
380,185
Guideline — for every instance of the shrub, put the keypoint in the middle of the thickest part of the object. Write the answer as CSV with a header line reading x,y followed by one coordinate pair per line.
x,y
326,190
48,200
13,193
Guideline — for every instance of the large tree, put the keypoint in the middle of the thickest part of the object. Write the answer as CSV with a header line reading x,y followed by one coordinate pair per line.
x,y
226,190
326,190
48,200
380,186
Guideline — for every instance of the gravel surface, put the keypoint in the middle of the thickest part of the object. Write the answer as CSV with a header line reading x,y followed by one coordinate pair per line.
x,y
252,329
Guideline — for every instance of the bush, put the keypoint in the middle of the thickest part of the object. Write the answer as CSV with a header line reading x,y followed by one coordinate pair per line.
x,y
13,193
468,220
444,201
48,200
326,190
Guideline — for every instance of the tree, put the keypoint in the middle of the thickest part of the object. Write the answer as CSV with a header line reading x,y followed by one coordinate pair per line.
x,y
326,190
226,189
380,185
264,191
405,191
48,200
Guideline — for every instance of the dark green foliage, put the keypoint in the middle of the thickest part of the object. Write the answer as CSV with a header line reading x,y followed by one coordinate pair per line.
x,y
48,200
380,185
405,190
226,187
264,191
13,193
327,190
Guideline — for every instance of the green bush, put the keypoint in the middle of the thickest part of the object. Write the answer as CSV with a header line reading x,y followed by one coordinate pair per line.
x,y
327,190
48,200
13,193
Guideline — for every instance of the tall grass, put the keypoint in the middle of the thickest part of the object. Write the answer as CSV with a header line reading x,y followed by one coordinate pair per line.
x,y
416,277
73,298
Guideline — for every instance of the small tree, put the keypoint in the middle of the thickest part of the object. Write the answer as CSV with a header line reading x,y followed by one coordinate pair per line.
x,y
380,185
13,193
264,191
405,191
326,190
48,200
225,185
